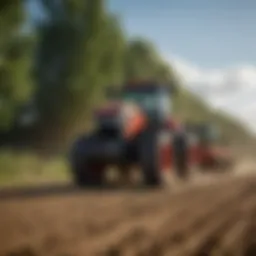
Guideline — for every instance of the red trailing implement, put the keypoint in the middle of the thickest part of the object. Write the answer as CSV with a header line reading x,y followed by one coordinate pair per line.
x,y
210,155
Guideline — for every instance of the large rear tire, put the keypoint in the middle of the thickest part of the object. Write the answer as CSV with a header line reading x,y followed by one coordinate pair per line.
x,y
149,158
180,156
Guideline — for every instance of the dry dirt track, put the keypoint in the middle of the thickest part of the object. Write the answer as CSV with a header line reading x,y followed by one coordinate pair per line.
x,y
216,219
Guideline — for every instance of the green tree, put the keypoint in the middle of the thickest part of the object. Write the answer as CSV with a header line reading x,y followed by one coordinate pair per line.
x,y
11,17
80,50
67,56
143,61
15,60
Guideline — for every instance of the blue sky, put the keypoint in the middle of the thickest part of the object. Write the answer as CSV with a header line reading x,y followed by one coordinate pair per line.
x,y
212,33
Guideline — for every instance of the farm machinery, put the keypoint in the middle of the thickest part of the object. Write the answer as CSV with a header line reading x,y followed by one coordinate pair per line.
x,y
134,128
209,154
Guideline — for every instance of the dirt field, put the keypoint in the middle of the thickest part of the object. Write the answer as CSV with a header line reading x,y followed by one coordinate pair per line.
x,y
216,218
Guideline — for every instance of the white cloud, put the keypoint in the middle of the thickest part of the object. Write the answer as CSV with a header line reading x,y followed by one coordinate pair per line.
x,y
232,89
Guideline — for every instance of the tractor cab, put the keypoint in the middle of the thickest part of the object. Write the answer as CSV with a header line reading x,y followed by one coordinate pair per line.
x,y
153,98
137,105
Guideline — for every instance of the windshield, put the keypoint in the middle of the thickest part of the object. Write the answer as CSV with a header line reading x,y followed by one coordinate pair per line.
x,y
148,101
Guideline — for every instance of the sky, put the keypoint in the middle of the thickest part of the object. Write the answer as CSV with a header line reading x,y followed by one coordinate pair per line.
x,y
210,43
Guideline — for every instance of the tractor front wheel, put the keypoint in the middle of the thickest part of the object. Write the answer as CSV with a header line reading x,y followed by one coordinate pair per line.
x,y
85,173
88,175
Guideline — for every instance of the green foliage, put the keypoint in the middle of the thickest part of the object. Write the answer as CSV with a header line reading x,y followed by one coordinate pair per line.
x,y
142,61
15,60
11,16
68,57
79,52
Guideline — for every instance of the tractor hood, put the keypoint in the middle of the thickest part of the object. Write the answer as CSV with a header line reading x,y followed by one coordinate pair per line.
x,y
118,109
109,110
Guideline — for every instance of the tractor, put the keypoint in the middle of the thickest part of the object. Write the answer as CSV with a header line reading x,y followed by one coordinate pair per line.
x,y
210,155
133,128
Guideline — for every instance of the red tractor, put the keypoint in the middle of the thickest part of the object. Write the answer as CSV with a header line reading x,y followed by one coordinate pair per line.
x,y
134,128
210,156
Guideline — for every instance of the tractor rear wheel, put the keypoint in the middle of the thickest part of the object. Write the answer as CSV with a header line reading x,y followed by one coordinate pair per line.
x,y
180,156
149,158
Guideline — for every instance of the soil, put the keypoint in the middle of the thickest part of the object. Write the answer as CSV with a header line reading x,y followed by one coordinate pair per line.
x,y
216,218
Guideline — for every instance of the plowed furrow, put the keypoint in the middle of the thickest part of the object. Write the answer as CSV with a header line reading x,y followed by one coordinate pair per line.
x,y
205,240
122,237
215,220
112,221
164,239
249,241
175,232
160,232
234,241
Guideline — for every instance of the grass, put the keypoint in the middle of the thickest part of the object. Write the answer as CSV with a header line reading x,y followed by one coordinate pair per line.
x,y
23,169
